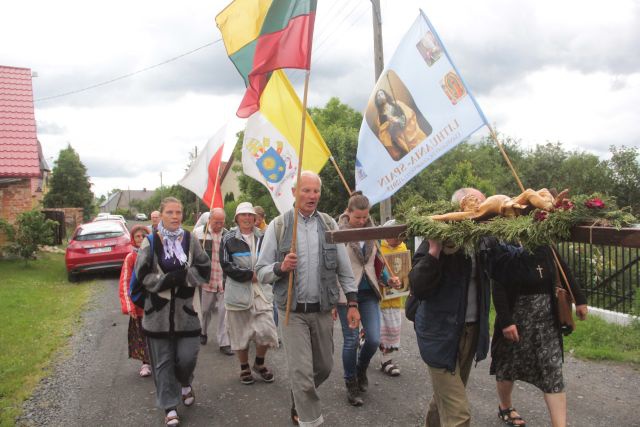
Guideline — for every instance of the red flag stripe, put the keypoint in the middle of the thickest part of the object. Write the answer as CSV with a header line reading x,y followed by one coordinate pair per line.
x,y
287,48
214,170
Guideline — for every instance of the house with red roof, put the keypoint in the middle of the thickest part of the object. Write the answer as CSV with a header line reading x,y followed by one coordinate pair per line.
x,y
23,170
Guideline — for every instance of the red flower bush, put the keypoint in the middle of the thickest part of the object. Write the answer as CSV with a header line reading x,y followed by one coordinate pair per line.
x,y
540,215
595,203
564,204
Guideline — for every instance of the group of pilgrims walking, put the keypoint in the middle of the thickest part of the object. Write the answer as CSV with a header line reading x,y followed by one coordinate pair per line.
x,y
243,274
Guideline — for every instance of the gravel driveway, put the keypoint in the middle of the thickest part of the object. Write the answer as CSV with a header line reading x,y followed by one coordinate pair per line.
x,y
94,384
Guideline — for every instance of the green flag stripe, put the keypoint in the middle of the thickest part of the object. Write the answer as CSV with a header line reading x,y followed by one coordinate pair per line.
x,y
243,60
281,12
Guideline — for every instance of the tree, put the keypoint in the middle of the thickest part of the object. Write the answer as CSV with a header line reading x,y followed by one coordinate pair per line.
x,y
70,186
624,171
464,176
339,125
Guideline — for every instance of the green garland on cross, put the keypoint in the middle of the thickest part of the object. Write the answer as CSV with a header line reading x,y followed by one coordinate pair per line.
x,y
535,229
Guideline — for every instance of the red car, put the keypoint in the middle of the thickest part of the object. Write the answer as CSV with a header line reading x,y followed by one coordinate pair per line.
x,y
101,245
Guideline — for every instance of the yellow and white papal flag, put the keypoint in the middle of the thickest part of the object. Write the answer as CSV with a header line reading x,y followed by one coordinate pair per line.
x,y
272,142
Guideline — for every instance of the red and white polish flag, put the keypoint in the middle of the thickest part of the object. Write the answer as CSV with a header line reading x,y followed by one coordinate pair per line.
x,y
203,177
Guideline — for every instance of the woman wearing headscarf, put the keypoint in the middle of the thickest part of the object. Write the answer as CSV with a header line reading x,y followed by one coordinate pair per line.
x,y
170,268
137,342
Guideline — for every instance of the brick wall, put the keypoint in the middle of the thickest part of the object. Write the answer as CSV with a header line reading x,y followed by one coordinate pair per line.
x,y
72,217
15,198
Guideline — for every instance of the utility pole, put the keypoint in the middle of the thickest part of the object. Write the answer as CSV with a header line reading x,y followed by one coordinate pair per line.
x,y
161,180
378,58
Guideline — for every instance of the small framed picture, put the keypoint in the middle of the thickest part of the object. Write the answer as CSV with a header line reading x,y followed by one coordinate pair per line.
x,y
400,263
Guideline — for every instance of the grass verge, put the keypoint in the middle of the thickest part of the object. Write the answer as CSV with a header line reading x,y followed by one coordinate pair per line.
x,y
38,313
596,339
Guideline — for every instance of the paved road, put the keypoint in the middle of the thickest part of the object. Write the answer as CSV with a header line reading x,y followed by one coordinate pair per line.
x,y
94,384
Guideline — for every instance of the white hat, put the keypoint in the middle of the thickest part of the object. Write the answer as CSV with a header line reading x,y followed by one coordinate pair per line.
x,y
390,223
244,208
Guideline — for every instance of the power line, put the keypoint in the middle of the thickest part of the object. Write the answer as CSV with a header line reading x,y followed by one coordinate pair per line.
x,y
175,58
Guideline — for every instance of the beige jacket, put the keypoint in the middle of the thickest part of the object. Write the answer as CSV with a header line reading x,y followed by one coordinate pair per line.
x,y
358,264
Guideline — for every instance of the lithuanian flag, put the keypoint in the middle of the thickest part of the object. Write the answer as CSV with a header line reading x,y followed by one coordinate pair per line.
x,y
265,35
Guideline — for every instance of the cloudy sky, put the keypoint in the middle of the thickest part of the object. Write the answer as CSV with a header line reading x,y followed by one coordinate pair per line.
x,y
542,70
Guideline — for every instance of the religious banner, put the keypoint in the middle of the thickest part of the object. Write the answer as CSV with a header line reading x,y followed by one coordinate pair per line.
x,y
419,109
203,176
272,142
265,35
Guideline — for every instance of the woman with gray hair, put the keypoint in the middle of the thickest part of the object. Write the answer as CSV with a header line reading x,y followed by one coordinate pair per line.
x,y
170,266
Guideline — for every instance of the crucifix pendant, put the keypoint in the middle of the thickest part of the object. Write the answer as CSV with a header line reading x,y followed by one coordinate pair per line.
x,y
539,270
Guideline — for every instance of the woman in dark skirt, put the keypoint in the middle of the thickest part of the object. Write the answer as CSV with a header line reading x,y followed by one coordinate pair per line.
x,y
137,342
527,341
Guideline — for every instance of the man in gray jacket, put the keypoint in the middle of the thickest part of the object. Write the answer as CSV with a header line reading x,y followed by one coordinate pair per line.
x,y
317,266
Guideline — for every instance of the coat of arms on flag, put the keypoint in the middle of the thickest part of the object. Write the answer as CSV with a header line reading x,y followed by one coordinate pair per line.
x,y
271,142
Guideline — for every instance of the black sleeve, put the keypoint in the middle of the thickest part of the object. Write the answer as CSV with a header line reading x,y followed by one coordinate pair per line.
x,y
425,274
237,273
501,303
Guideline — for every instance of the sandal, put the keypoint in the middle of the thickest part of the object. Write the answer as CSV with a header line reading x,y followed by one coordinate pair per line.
x,y
172,420
145,370
390,369
246,378
189,398
264,372
505,416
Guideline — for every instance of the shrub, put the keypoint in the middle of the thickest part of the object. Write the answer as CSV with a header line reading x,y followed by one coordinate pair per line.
x,y
32,229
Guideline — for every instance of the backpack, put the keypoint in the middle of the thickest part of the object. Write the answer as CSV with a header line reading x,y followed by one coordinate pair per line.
x,y
137,293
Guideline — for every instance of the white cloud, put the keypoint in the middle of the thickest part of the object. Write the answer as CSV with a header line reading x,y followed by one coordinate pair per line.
x,y
542,70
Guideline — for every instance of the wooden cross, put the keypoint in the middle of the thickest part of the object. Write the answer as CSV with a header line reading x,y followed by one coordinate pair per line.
x,y
539,270
625,237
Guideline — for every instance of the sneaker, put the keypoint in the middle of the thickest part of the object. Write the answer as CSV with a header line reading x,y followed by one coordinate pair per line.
x,y
145,370
265,373
353,392
246,378
226,350
363,381
203,339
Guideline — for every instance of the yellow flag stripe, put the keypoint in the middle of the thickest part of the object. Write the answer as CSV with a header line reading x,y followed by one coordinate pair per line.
x,y
241,21
281,106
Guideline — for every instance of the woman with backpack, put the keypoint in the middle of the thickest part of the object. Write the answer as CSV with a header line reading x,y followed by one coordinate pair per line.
x,y
169,267
137,342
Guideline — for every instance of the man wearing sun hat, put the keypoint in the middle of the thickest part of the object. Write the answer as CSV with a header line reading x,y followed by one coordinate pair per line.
x,y
248,303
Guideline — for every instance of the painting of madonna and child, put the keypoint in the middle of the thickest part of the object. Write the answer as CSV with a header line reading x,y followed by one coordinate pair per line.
x,y
394,118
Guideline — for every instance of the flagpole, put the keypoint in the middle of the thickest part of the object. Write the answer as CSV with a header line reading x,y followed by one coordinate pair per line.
x,y
213,198
515,175
297,205
506,157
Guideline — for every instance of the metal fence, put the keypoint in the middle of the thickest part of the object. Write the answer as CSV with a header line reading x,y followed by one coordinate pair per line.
x,y
609,275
